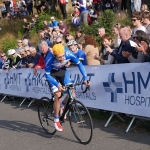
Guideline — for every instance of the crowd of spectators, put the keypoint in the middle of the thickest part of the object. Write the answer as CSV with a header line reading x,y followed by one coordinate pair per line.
x,y
128,45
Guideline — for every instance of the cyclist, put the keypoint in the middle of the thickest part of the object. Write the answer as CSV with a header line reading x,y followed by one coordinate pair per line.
x,y
80,54
57,75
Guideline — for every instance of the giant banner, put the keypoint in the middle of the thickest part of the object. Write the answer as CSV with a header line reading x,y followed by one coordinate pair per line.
x,y
122,88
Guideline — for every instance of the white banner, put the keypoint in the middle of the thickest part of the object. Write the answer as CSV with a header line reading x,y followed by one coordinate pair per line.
x,y
122,88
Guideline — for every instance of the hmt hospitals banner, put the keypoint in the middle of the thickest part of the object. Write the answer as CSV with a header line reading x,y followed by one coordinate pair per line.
x,y
122,88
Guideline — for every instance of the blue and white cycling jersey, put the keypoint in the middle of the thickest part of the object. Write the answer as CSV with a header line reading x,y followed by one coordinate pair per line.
x,y
80,54
51,63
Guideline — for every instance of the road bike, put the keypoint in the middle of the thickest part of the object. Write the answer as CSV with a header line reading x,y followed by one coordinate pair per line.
x,y
78,114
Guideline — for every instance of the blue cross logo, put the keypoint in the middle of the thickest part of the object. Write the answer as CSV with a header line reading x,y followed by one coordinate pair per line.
x,y
113,87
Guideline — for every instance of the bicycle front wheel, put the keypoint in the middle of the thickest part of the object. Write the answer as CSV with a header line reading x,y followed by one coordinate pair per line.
x,y
80,122
45,113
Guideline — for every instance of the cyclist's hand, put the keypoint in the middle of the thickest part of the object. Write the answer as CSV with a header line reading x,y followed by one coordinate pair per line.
x,y
68,64
60,87
87,83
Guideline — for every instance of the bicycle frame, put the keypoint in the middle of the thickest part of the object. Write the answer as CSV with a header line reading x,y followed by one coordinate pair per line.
x,y
69,102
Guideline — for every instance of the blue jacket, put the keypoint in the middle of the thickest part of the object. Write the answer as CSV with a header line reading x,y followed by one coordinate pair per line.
x,y
117,53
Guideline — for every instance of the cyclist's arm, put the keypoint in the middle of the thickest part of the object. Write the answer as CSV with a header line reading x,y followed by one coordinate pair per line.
x,y
48,67
74,59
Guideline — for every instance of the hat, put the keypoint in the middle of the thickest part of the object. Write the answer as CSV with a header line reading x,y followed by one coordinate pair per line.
x,y
11,52
58,49
52,18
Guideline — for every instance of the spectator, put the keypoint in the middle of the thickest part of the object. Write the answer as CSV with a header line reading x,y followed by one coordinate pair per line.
x,y
68,37
54,22
125,36
107,4
24,61
53,37
132,6
90,49
46,25
80,54
40,64
84,11
26,27
146,22
62,28
46,38
75,20
101,31
76,11
7,5
79,36
137,22
62,5
116,29
25,42
34,57
29,4
145,49
124,5
15,57
138,37
28,54
6,62
144,8
92,15
45,30
19,46
56,28
106,58
137,5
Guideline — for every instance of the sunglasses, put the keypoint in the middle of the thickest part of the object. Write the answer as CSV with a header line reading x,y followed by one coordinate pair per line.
x,y
19,42
22,54
133,20
3,56
27,50
59,42
67,35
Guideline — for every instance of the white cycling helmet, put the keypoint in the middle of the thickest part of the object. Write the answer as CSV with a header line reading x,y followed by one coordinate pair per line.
x,y
72,42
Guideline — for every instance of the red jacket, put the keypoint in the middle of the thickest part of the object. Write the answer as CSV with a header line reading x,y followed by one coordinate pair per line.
x,y
41,62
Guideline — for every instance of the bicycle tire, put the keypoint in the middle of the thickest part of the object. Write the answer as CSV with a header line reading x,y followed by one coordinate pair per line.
x,y
80,123
46,115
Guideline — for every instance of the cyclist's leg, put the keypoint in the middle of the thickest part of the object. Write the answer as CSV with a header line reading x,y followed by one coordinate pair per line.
x,y
56,106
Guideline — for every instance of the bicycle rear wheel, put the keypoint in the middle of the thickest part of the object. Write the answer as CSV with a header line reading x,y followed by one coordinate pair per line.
x,y
81,122
45,113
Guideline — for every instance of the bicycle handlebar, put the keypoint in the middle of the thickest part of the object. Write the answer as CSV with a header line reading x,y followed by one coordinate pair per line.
x,y
73,85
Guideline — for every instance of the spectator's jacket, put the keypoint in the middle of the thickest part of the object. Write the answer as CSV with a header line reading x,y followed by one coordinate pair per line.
x,y
83,7
54,24
41,61
16,60
35,59
23,62
6,64
117,53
